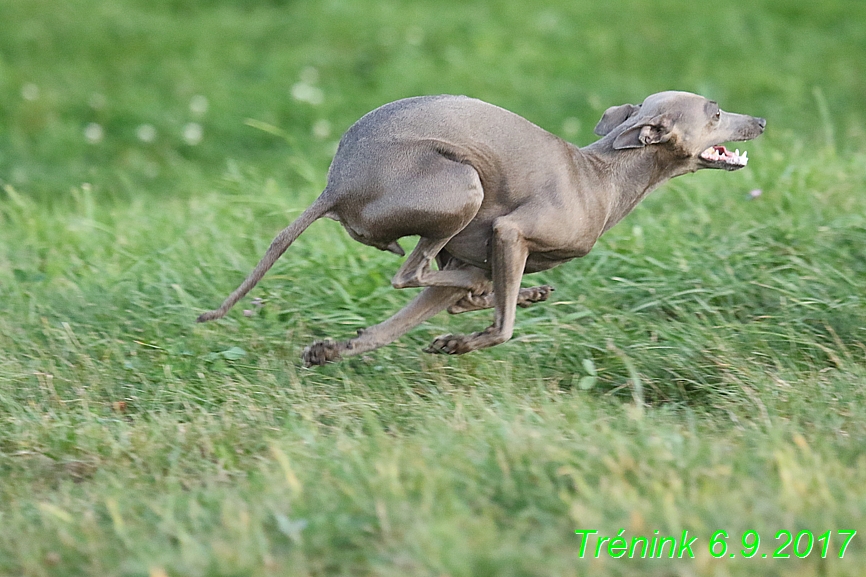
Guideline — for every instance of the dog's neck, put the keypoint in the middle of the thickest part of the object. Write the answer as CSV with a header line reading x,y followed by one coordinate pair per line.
x,y
629,174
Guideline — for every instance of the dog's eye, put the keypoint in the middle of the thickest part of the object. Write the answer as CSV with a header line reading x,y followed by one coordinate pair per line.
x,y
718,114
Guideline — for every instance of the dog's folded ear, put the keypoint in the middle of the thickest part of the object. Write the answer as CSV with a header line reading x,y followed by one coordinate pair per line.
x,y
656,130
614,116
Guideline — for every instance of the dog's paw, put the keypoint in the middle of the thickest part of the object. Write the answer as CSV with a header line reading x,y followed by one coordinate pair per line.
x,y
321,352
533,295
450,345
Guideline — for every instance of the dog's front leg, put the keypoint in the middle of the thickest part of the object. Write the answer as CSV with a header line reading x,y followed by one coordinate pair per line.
x,y
509,253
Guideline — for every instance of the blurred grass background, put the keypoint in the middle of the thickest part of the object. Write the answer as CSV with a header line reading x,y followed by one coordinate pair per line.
x,y
702,369
127,64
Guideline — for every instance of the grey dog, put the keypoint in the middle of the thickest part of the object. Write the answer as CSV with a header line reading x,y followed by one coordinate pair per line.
x,y
493,197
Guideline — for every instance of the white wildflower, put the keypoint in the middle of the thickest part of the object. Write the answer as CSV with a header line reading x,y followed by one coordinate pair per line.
x,y
30,92
193,133
304,92
322,129
571,127
94,133
146,133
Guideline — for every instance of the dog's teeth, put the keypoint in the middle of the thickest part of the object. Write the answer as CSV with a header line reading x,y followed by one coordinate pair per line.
x,y
745,152
737,152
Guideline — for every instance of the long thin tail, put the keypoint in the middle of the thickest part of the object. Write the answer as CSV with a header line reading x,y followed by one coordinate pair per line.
x,y
279,245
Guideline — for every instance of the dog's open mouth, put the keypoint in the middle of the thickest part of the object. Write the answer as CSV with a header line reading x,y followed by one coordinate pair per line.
x,y
720,157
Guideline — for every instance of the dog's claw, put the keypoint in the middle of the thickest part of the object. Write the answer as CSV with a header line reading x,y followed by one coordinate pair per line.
x,y
321,352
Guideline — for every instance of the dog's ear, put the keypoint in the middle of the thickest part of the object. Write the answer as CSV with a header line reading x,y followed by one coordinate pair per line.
x,y
613,117
654,131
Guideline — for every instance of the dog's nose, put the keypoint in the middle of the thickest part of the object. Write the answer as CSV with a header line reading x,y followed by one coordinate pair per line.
x,y
762,122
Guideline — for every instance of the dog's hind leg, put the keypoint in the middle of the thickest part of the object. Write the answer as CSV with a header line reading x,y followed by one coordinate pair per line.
x,y
429,302
429,195
416,271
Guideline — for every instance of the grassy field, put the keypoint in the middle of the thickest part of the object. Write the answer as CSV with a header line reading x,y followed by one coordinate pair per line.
x,y
703,369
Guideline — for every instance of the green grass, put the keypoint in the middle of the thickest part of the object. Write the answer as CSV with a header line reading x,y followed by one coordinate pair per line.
x,y
703,369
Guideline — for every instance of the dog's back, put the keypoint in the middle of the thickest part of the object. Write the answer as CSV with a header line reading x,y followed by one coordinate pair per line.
x,y
497,143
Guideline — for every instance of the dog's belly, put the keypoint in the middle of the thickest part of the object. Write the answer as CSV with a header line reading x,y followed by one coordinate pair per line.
x,y
472,246
540,261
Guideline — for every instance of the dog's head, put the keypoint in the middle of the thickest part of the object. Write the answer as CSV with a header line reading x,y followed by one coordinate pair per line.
x,y
691,127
